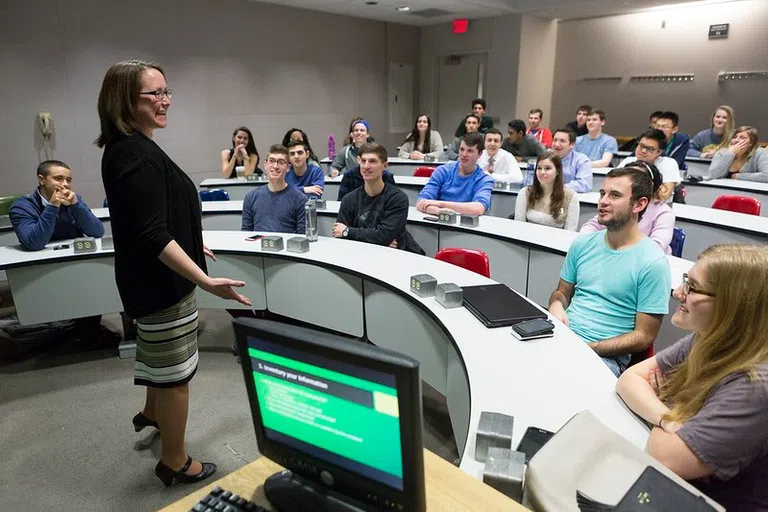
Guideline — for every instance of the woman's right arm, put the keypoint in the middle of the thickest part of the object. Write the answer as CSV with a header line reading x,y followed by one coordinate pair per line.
x,y
405,150
634,387
720,164
227,164
521,205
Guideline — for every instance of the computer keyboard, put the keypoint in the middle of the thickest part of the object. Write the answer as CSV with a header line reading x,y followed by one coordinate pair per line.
x,y
221,500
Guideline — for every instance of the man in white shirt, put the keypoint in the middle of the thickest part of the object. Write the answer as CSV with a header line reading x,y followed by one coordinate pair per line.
x,y
650,150
499,163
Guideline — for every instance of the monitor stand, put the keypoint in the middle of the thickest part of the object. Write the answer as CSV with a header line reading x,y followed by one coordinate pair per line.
x,y
289,492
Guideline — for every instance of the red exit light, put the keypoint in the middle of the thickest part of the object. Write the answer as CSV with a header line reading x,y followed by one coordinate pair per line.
x,y
460,26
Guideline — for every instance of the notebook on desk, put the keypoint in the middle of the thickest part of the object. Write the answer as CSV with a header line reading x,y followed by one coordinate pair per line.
x,y
497,305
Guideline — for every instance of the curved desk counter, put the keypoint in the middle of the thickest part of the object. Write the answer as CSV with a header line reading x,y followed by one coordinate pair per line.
x,y
541,383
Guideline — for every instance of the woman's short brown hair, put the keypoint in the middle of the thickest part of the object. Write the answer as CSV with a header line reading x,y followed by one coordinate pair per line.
x,y
117,98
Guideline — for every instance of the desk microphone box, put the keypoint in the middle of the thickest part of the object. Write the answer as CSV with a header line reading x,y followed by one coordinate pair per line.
x,y
252,177
447,217
449,295
470,220
298,244
504,471
320,204
86,244
493,431
500,185
272,243
107,243
423,285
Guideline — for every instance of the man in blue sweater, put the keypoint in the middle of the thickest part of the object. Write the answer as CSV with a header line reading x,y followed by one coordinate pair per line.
x,y
459,186
54,211
677,143
275,207
306,176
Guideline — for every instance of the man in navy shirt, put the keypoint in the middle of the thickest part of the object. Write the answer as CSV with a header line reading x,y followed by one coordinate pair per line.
x,y
54,211
304,175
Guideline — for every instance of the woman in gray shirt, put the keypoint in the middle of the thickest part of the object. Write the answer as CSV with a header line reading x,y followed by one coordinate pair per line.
x,y
546,201
743,159
707,395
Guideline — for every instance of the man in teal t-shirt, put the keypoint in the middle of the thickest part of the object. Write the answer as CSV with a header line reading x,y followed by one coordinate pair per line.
x,y
615,284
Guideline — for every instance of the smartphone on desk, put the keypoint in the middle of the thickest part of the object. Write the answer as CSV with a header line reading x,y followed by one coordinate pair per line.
x,y
430,218
533,329
253,238
532,441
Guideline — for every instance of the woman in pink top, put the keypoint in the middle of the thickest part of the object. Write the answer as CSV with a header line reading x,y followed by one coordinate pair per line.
x,y
658,219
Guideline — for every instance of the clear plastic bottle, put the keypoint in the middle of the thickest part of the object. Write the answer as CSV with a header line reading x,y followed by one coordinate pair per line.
x,y
310,219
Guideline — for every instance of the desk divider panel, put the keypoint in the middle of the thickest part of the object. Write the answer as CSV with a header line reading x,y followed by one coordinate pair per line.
x,y
543,275
8,238
395,323
55,291
243,267
331,191
700,236
509,261
502,205
458,399
223,222
428,237
315,295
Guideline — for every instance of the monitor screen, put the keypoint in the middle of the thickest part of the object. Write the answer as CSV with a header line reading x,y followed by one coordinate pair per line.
x,y
335,411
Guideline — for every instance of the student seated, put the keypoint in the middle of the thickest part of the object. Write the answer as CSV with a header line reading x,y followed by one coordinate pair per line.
x,y
677,143
305,175
353,179
377,212
598,146
658,221
706,143
422,141
547,201
707,395
54,211
521,145
577,169
347,158
459,186
650,149
500,164
350,133
540,133
471,123
743,159
632,144
616,312
275,207
579,125
299,134
484,121
242,154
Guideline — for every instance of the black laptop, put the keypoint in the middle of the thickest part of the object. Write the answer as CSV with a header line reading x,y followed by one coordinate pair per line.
x,y
497,305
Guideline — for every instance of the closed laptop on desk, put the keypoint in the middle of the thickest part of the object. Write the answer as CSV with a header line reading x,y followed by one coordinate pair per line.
x,y
497,305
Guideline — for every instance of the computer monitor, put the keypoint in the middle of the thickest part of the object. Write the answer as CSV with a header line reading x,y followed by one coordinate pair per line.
x,y
342,416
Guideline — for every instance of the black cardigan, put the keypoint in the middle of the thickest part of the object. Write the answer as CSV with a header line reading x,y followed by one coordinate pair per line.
x,y
151,202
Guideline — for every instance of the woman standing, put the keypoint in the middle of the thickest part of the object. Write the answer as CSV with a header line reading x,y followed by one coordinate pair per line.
x,y
743,159
546,201
658,219
242,154
706,143
707,395
422,141
159,255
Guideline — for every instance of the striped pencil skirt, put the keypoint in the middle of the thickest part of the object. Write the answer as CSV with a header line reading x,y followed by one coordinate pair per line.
x,y
166,346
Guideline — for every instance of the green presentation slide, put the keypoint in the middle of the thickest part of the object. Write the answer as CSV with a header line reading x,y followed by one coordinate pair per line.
x,y
345,415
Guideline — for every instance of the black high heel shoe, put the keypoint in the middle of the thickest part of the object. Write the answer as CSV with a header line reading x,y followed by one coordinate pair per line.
x,y
170,477
140,422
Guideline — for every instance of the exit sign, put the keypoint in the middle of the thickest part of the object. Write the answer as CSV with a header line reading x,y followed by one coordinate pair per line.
x,y
460,26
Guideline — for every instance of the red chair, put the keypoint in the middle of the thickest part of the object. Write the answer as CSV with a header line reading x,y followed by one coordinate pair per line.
x,y
470,259
423,172
739,204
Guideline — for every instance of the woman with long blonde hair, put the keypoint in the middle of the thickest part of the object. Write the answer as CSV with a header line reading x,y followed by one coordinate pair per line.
x,y
719,134
707,395
743,159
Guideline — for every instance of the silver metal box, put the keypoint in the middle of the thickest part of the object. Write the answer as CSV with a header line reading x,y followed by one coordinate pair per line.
x,y
272,243
447,217
449,295
493,431
86,244
423,285
504,471
470,220
298,244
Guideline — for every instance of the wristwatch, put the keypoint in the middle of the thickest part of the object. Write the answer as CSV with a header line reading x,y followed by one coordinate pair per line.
x,y
345,233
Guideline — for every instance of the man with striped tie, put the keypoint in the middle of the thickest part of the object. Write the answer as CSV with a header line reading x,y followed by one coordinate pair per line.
x,y
499,163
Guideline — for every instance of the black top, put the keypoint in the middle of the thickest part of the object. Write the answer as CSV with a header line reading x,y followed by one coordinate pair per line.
x,y
573,125
151,203
352,179
257,171
378,220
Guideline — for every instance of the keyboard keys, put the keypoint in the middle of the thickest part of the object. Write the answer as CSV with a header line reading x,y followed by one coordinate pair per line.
x,y
221,500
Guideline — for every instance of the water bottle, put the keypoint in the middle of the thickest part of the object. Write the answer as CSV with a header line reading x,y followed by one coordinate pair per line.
x,y
331,147
310,215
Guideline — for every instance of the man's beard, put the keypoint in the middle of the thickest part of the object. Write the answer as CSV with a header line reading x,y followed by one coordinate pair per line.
x,y
618,222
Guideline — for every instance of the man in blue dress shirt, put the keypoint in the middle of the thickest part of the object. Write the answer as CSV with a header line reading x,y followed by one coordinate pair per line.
x,y
460,186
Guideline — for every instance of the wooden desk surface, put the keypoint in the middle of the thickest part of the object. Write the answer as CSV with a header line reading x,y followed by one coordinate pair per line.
x,y
448,488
